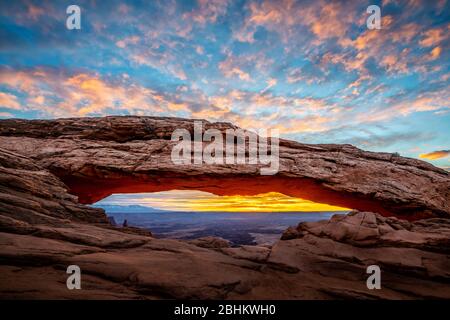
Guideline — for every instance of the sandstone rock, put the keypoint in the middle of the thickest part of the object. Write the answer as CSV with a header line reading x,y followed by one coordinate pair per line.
x,y
290,233
211,242
345,245
112,221
253,253
99,156
310,267
367,229
32,194
43,228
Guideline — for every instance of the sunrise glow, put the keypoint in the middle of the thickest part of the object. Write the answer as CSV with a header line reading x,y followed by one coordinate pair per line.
x,y
181,200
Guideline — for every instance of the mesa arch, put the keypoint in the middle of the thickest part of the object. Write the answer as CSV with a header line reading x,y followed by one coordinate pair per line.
x,y
96,157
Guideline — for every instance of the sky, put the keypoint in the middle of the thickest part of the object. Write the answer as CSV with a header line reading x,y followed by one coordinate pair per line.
x,y
192,200
311,69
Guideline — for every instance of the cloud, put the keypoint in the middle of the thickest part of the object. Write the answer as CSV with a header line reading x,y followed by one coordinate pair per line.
x,y
396,63
200,50
309,74
402,106
435,155
435,53
435,36
385,47
34,12
311,67
368,139
236,66
235,71
207,11
323,19
271,82
127,41
6,115
63,94
160,61
9,101
332,22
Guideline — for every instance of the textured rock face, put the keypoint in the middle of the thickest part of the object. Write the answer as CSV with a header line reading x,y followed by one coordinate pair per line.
x,y
414,256
423,246
96,157
44,229
35,196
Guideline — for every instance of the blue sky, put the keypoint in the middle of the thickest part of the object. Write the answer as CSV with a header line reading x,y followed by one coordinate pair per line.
x,y
311,69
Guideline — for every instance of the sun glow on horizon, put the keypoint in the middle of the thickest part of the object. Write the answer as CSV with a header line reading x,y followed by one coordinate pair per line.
x,y
185,200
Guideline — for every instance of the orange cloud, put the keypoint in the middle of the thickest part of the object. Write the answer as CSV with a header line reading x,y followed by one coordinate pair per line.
x,y
324,19
34,12
435,53
434,36
396,63
241,74
231,67
377,45
435,155
58,95
177,106
9,101
24,81
331,22
405,33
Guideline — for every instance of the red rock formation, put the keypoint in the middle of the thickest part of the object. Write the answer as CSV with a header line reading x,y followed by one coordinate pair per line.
x,y
43,229
34,196
96,157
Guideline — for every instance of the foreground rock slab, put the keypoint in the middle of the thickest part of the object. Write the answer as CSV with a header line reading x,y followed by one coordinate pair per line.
x,y
314,266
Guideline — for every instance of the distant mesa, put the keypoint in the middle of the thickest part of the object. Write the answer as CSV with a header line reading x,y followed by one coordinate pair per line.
x,y
109,208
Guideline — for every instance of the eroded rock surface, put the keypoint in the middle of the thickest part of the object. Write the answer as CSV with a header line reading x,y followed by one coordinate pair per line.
x,y
43,229
33,195
414,256
96,157
211,242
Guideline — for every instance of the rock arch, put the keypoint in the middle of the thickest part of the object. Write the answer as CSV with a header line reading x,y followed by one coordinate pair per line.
x,y
96,157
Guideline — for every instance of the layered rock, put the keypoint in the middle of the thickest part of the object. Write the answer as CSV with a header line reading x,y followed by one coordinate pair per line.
x,y
33,195
96,157
44,229
346,244
321,260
